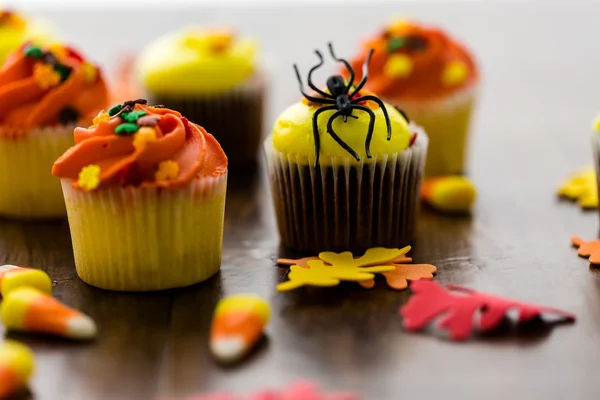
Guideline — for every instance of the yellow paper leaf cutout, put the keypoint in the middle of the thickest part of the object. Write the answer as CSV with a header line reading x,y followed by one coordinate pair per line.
x,y
372,257
346,272
299,276
581,186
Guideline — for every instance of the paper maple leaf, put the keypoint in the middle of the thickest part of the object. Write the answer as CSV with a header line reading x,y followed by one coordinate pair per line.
x,y
342,266
296,391
457,306
587,249
581,186
396,279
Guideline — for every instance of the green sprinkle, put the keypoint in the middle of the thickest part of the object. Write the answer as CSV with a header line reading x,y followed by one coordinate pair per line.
x,y
33,52
396,44
127,128
133,116
63,71
115,110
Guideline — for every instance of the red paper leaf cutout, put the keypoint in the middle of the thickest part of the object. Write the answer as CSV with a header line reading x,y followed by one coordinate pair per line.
x,y
457,307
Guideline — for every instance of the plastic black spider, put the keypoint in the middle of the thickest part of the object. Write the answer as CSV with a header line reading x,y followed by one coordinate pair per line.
x,y
341,99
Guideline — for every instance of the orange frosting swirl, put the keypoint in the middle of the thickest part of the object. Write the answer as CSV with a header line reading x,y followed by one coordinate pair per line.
x,y
47,87
166,151
415,62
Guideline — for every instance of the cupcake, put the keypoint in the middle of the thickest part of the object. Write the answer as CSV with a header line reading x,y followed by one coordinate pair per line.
x,y
15,29
211,77
345,170
44,94
434,79
145,194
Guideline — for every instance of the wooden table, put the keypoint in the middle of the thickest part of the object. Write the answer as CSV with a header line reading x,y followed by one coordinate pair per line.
x,y
541,68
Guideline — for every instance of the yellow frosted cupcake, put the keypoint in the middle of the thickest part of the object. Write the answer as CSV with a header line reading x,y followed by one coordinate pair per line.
x,y
145,194
44,94
345,170
15,29
211,76
434,79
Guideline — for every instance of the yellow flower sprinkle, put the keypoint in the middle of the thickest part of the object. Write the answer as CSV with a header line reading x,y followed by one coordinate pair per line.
x,y
455,73
144,135
167,170
90,72
101,117
45,75
89,177
398,66
59,51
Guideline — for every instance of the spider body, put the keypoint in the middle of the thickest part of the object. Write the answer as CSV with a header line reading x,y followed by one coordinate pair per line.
x,y
343,98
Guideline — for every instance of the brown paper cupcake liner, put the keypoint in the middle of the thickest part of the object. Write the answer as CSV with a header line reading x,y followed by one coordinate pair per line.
x,y
234,118
343,206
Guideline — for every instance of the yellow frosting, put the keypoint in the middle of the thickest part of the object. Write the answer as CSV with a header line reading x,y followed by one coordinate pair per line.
x,y
15,29
197,61
293,133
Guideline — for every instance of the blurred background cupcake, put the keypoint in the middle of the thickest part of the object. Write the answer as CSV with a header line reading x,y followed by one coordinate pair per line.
x,y
17,28
354,182
434,79
44,94
212,77
145,193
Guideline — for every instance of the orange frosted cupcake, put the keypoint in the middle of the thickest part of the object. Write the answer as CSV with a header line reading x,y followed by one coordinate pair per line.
x,y
434,79
44,94
145,194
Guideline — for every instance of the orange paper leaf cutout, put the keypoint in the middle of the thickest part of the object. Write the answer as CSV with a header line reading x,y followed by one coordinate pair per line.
x,y
587,249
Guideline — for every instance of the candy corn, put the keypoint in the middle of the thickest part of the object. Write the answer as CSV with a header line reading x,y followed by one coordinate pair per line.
x,y
12,277
16,367
449,193
237,326
28,309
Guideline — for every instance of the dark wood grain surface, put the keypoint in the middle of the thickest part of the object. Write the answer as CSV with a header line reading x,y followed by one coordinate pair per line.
x,y
541,68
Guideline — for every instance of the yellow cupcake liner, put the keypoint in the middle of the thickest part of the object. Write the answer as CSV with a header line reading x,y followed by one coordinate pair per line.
x,y
447,123
27,188
142,239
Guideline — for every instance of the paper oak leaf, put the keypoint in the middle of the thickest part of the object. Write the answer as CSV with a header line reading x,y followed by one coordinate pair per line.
x,y
581,186
458,306
587,249
303,390
341,267
399,278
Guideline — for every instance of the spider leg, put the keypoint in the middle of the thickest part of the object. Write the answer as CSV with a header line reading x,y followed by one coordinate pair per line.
x,y
309,97
365,74
339,140
382,106
316,131
348,67
371,125
313,69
